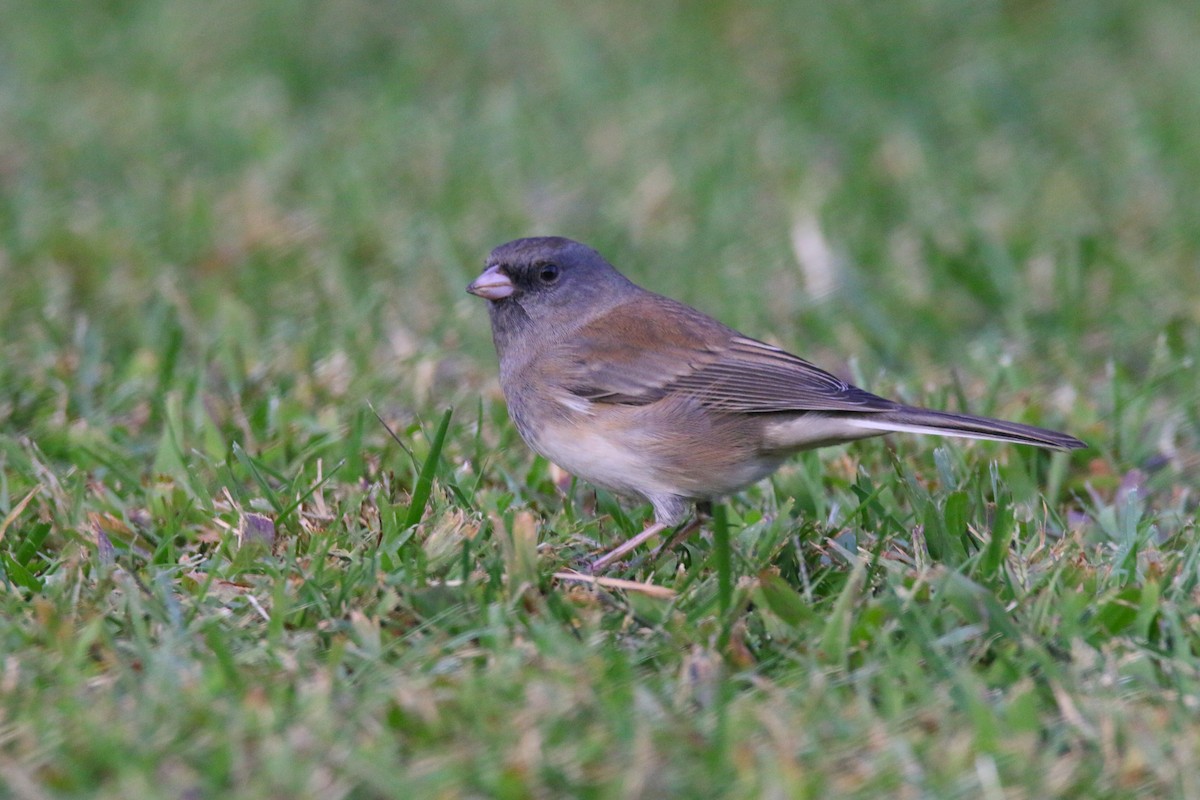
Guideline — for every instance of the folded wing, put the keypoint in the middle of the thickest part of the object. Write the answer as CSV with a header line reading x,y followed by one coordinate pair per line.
x,y
623,358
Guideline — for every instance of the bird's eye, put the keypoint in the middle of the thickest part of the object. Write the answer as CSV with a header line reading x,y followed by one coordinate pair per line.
x,y
549,273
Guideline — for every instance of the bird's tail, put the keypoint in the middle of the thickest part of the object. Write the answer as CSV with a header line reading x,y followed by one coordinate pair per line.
x,y
908,419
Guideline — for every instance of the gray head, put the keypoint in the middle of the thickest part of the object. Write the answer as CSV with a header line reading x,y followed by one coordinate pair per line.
x,y
548,281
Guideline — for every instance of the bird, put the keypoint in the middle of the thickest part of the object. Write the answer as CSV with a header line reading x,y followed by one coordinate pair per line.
x,y
651,399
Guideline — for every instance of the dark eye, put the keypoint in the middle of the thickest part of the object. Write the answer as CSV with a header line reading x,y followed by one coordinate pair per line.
x,y
548,273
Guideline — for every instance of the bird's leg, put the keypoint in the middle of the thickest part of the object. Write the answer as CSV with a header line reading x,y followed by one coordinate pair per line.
x,y
703,513
620,550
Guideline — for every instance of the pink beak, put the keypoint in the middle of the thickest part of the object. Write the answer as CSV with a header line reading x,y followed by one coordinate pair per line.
x,y
492,285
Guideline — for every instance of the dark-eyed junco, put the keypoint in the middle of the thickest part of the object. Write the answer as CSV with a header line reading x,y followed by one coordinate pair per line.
x,y
647,397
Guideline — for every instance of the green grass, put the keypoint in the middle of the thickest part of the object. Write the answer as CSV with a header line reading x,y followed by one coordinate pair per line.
x,y
231,233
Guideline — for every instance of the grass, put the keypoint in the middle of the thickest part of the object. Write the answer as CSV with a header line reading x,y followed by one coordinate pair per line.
x,y
233,233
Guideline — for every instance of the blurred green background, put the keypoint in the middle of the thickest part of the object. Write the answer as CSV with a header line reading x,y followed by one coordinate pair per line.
x,y
227,226
318,176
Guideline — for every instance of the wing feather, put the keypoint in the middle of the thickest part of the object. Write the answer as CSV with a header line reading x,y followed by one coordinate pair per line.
x,y
621,358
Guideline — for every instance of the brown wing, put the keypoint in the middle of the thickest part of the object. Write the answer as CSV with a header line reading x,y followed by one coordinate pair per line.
x,y
622,358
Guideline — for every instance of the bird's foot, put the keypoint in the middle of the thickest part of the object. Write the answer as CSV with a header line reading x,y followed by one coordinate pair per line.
x,y
680,536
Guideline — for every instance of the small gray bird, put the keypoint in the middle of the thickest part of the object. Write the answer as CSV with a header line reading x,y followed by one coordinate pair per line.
x,y
649,398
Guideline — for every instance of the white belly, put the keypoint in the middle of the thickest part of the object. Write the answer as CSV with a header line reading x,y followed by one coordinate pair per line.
x,y
601,460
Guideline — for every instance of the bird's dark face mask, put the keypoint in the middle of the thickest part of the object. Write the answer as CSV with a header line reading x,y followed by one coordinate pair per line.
x,y
526,287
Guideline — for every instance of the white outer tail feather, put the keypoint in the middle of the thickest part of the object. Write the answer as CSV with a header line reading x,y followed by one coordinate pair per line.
x,y
884,425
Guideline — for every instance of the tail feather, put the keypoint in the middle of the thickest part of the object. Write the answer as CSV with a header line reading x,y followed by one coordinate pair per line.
x,y
908,419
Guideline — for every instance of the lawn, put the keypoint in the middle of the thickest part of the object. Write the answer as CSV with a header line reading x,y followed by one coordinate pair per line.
x,y
267,531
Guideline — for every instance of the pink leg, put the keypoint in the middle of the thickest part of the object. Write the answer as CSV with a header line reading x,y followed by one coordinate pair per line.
x,y
619,551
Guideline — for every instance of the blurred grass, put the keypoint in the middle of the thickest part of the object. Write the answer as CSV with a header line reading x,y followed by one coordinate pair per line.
x,y
227,227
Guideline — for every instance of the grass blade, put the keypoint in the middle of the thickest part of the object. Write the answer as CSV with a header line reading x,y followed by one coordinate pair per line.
x,y
248,464
424,485
722,558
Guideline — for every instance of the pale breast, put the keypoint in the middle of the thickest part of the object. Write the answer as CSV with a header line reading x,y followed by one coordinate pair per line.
x,y
601,456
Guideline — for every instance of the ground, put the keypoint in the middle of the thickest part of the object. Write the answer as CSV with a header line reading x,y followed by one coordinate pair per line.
x,y
234,241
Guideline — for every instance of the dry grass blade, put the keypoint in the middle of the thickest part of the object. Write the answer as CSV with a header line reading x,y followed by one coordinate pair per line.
x,y
617,583
17,509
